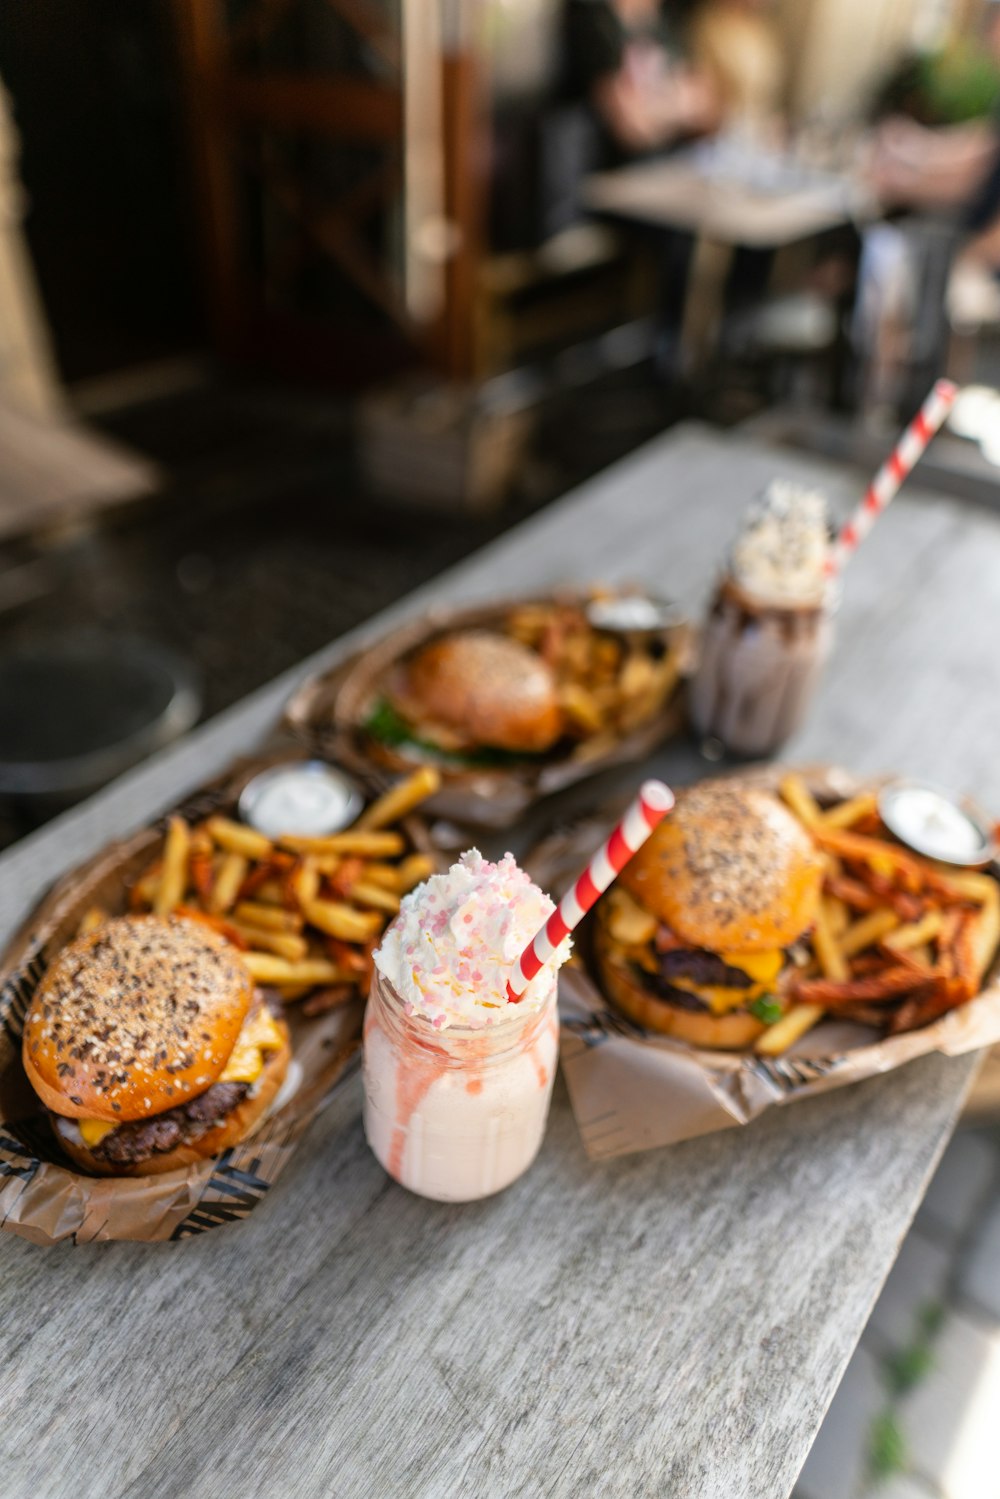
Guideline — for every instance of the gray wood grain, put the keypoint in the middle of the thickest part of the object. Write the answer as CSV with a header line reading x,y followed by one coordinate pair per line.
x,y
672,1323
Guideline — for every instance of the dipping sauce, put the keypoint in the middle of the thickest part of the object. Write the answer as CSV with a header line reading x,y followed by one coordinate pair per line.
x,y
935,823
310,799
633,613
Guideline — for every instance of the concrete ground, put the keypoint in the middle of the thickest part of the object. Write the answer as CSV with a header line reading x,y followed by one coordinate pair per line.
x,y
917,1415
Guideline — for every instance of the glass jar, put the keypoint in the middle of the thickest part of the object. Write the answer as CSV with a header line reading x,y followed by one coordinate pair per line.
x,y
459,1113
759,666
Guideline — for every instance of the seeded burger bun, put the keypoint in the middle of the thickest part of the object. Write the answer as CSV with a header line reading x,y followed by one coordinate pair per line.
x,y
147,1043
693,940
475,688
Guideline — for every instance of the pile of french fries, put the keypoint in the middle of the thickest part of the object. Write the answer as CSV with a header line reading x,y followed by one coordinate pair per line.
x,y
608,684
899,940
306,913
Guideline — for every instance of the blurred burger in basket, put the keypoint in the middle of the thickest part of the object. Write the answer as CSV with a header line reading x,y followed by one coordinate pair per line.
x,y
476,688
699,937
150,1047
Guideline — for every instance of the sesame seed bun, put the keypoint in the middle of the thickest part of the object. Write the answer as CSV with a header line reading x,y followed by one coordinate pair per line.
x,y
481,689
135,1018
730,870
238,1125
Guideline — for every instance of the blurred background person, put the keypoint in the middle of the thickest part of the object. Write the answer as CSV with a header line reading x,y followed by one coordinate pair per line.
x,y
951,167
737,49
624,59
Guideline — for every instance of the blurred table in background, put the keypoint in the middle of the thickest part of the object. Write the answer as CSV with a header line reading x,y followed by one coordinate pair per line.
x,y
727,199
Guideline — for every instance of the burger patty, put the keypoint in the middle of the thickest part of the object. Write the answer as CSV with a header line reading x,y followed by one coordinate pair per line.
x,y
693,963
701,967
138,1141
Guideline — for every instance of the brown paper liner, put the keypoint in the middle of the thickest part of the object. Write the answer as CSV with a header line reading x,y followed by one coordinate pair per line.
x,y
632,1090
44,1197
328,713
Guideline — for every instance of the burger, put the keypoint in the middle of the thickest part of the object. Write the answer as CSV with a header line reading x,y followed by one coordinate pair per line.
x,y
469,691
150,1047
698,937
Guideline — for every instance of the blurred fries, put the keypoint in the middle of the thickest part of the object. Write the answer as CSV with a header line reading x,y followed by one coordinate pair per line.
x,y
607,684
868,931
789,1029
831,959
306,913
173,878
238,839
401,799
797,795
898,939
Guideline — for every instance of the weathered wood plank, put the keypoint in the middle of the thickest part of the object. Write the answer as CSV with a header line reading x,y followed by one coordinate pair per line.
x,y
671,1323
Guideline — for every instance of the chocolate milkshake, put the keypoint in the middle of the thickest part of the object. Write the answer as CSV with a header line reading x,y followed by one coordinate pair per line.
x,y
770,628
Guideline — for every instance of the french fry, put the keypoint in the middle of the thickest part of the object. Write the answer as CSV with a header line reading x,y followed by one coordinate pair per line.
x,y
303,883
886,859
348,870
285,944
846,814
986,932
413,871
237,838
355,841
202,871
866,932
800,799
854,893
338,919
173,880
365,894
271,918
143,892
970,885
580,707
400,799
267,968
831,959
217,923
840,996
231,874
627,921
386,875
93,918
271,892
838,915
789,1029
915,933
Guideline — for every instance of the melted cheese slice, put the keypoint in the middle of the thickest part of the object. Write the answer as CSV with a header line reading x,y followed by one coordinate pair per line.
x,y
246,1062
762,967
245,1065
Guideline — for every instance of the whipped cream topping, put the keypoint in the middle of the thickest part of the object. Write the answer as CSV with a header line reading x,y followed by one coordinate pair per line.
x,y
780,554
450,951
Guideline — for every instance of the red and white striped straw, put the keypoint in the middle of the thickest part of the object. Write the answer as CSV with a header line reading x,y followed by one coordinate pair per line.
x,y
649,808
886,483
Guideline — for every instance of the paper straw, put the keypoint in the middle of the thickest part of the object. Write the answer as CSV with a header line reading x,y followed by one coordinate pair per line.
x,y
649,808
885,486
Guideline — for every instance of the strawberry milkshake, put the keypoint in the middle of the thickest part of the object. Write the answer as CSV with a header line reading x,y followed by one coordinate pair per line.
x,y
457,1078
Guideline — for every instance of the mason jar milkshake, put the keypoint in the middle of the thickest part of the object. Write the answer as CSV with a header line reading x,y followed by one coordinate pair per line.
x,y
770,628
457,1078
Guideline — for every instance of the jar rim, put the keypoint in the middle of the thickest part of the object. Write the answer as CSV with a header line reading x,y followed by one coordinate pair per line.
x,y
515,1019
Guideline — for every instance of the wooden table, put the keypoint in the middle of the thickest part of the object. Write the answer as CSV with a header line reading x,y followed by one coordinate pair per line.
x,y
673,1323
